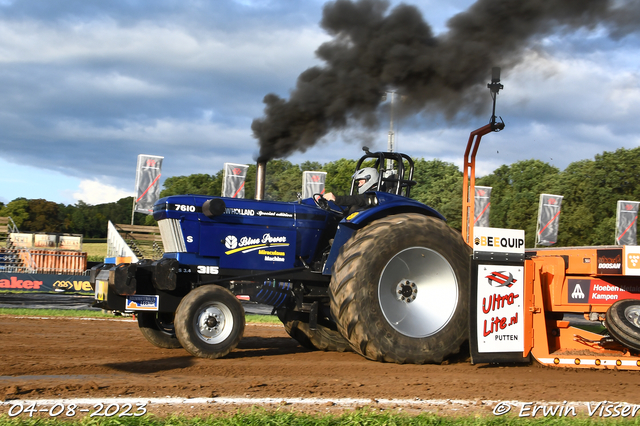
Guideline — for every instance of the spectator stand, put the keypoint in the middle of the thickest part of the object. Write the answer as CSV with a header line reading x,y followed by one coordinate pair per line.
x,y
38,253
10,260
134,241
41,262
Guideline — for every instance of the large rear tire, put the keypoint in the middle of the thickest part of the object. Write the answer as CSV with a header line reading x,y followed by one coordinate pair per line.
x,y
209,322
321,339
623,322
400,290
158,329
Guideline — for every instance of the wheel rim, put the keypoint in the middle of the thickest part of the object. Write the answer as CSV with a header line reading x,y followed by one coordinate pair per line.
x,y
214,323
418,292
165,324
632,314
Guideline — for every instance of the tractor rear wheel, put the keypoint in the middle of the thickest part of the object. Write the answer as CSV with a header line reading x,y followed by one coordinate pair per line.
x,y
158,329
400,290
323,338
623,322
209,322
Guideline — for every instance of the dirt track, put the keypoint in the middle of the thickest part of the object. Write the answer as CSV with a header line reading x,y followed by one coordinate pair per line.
x,y
61,358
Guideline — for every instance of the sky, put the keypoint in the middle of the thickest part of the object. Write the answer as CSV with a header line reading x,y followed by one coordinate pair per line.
x,y
86,86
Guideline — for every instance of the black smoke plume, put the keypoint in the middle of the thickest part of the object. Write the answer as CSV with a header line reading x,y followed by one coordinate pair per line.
x,y
372,52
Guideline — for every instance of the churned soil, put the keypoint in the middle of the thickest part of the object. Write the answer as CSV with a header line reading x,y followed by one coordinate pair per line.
x,y
69,358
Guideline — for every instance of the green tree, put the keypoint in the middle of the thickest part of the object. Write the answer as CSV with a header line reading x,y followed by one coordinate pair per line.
x,y
91,221
283,181
339,175
592,189
201,184
311,166
516,193
439,185
43,216
18,210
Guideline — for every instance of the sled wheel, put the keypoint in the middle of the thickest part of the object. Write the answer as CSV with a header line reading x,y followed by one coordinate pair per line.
x,y
158,329
623,322
400,290
321,339
209,322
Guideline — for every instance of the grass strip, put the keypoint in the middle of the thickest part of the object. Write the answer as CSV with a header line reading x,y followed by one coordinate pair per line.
x,y
362,417
262,319
78,313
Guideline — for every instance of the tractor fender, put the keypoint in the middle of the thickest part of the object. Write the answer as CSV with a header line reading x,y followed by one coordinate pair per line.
x,y
386,207
388,204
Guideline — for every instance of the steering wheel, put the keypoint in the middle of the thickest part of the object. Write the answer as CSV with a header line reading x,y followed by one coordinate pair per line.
x,y
321,202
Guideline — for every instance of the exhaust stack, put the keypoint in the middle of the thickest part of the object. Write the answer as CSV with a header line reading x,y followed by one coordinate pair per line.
x,y
261,170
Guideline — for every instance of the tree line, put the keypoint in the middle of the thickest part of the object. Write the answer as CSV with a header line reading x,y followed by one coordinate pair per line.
x,y
591,189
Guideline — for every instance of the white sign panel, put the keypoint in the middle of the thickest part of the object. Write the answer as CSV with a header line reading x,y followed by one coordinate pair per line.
x,y
500,309
141,302
631,260
498,240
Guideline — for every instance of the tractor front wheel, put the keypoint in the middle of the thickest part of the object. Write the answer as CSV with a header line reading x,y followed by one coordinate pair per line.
x,y
158,329
209,322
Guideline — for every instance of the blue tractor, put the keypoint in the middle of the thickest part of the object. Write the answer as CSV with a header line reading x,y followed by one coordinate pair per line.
x,y
390,282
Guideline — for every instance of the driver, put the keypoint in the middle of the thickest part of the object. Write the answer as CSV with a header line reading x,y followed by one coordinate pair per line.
x,y
367,180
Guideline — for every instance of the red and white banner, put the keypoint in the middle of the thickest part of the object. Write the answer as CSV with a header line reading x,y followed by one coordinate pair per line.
x,y
548,219
599,292
482,205
148,175
626,218
234,179
313,183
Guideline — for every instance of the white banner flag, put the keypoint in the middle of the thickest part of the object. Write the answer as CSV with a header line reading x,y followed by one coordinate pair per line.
x,y
626,218
482,206
148,175
313,183
234,178
548,219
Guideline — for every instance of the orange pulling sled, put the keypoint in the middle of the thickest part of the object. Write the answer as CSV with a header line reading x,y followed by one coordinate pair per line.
x,y
601,283
519,298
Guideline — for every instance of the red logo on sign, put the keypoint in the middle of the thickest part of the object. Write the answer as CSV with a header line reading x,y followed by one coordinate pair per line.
x,y
552,201
500,279
315,178
628,206
481,192
236,171
151,162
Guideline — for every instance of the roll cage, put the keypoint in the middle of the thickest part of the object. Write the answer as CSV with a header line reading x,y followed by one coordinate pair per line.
x,y
392,172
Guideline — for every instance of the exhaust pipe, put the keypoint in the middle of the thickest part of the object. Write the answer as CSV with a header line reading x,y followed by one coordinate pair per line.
x,y
261,170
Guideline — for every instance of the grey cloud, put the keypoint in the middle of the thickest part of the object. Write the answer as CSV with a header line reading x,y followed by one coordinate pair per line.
x,y
221,14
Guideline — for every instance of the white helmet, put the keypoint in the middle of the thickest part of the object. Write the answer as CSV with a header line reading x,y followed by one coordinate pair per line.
x,y
370,177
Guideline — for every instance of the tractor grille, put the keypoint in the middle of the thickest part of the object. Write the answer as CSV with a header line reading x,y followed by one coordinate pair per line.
x,y
172,238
